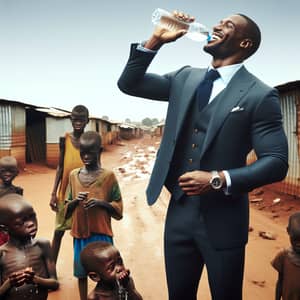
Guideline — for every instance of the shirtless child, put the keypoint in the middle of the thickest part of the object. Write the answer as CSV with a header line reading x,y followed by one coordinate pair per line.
x,y
104,264
27,269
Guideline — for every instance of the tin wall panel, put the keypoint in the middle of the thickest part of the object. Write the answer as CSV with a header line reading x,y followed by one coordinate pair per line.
x,y
5,127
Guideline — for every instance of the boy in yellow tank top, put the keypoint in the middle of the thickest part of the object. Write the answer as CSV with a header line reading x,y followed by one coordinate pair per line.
x,y
69,159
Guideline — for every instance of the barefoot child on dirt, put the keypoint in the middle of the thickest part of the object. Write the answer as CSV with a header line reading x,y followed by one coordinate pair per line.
x,y
8,172
27,269
69,159
104,264
94,197
287,263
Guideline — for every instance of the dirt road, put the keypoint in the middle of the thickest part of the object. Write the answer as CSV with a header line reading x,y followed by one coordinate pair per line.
x,y
139,234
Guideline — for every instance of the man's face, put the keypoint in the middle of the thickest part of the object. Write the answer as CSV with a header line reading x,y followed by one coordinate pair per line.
x,y
8,173
111,265
227,37
23,222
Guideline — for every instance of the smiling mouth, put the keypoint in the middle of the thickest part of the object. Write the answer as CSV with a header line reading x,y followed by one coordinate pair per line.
x,y
216,36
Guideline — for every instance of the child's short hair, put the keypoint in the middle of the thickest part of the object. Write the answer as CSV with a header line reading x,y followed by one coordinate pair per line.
x,y
8,201
92,252
92,135
294,222
81,110
8,161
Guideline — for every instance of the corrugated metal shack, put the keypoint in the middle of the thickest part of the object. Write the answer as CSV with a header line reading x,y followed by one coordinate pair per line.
x,y
159,129
22,132
12,129
130,131
109,130
290,105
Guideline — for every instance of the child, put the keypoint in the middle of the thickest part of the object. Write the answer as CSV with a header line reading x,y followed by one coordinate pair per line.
x,y
94,197
104,264
69,159
287,263
27,269
8,172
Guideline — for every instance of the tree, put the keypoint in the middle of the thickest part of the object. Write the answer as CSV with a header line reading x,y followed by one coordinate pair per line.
x,y
127,120
106,118
147,122
154,121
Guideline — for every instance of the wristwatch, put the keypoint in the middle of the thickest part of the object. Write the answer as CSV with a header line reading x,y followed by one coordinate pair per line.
x,y
216,181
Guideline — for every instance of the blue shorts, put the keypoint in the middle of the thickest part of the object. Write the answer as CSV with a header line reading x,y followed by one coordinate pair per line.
x,y
79,244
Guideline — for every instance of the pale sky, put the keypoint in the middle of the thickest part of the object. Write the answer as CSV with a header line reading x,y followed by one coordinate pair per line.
x,y
61,53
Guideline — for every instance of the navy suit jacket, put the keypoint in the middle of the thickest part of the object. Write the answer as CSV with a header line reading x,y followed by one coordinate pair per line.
x,y
247,117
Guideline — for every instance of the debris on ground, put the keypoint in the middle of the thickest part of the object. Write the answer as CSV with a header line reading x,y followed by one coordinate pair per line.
x,y
256,200
276,201
260,283
267,235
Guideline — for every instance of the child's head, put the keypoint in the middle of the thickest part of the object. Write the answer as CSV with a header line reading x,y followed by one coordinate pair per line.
x,y
8,169
18,217
79,117
293,230
102,261
90,147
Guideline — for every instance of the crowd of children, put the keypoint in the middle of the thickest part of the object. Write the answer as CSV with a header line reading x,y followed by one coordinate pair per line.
x,y
85,197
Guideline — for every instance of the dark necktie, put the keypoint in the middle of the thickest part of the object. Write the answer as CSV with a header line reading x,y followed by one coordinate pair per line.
x,y
205,87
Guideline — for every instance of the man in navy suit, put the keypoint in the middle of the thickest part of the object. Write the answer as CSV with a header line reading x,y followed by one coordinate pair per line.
x,y
203,152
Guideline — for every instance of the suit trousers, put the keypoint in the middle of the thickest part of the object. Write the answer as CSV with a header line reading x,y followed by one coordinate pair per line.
x,y
188,248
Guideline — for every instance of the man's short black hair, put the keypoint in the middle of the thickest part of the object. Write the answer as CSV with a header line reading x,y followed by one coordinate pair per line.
x,y
253,33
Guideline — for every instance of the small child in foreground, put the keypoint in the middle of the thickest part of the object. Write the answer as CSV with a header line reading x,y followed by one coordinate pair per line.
x,y
287,263
27,269
104,264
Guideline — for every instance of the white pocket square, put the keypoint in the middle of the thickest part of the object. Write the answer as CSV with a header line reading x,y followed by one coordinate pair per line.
x,y
237,108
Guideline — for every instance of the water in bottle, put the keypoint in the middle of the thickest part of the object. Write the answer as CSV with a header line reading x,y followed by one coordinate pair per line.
x,y
195,31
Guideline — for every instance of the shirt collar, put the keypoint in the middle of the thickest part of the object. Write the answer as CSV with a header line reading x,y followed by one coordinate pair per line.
x,y
227,72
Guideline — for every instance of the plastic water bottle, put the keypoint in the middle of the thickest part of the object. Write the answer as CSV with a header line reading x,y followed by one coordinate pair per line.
x,y
195,31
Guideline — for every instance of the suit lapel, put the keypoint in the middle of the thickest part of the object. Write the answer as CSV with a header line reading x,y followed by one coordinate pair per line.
x,y
187,95
238,86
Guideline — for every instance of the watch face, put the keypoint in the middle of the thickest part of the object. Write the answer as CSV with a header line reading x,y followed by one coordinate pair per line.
x,y
216,182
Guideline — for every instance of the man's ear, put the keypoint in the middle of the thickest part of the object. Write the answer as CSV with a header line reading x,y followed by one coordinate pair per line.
x,y
246,43
94,276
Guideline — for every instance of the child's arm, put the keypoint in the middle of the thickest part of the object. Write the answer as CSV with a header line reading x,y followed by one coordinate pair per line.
x,y
50,282
58,175
278,291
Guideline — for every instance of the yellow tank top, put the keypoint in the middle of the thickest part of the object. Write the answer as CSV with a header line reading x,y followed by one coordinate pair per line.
x,y
72,161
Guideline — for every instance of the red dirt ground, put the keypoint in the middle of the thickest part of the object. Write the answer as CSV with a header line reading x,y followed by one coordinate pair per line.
x,y
139,234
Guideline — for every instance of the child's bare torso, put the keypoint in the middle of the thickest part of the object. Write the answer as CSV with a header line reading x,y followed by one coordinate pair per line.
x,y
14,259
